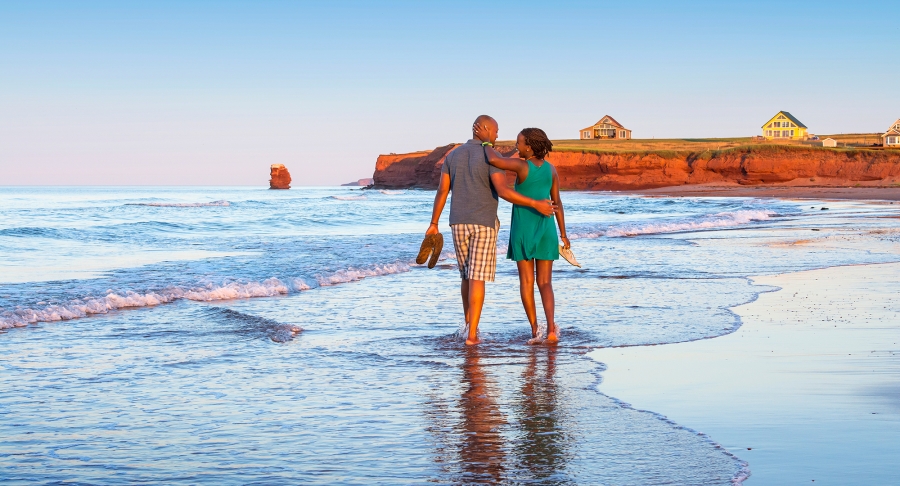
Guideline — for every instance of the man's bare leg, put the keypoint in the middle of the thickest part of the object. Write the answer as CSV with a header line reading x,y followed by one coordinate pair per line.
x,y
464,291
545,285
526,290
476,302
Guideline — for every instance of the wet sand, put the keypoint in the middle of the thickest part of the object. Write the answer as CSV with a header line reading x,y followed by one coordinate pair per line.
x,y
787,192
807,390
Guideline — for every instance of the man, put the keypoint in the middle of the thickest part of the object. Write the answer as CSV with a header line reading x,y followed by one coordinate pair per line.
x,y
473,216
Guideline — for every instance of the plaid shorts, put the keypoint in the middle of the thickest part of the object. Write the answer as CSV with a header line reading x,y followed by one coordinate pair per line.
x,y
476,251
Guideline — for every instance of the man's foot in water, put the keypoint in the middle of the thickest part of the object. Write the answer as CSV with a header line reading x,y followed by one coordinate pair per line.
x,y
473,342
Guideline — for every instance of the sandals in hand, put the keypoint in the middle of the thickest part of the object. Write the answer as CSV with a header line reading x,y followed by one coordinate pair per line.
x,y
432,245
568,256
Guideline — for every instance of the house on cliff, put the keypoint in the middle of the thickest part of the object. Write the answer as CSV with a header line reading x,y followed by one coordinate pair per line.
x,y
891,137
607,128
784,126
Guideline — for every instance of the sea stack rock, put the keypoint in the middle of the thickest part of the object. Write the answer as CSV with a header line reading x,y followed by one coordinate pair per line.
x,y
280,177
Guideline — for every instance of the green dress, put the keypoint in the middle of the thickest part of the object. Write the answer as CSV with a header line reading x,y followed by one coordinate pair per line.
x,y
531,234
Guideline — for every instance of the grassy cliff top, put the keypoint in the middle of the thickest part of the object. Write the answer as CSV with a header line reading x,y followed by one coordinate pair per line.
x,y
701,144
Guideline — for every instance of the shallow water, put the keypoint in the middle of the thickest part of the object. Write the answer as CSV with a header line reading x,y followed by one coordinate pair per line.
x,y
152,335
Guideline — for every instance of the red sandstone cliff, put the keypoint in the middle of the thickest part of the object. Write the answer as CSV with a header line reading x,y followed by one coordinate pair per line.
x,y
280,178
416,170
757,165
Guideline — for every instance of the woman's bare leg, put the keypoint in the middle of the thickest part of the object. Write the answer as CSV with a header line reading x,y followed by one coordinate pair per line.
x,y
526,289
545,285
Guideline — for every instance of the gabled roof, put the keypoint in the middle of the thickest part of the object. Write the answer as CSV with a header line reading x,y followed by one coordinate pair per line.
x,y
892,131
612,121
895,124
788,116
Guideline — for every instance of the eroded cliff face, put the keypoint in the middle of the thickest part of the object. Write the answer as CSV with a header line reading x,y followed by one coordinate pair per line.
x,y
763,165
279,177
419,170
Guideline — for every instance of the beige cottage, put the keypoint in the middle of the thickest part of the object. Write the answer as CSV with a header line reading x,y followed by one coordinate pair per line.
x,y
607,128
829,142
891,137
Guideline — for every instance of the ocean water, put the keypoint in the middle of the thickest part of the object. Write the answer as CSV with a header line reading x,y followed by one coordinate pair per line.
x,y
240,335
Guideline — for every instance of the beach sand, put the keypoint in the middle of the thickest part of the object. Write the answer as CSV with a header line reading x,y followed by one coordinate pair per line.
x,y
782,191
807,390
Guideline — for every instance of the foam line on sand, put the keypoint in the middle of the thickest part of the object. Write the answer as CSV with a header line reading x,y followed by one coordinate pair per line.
x,y
807,389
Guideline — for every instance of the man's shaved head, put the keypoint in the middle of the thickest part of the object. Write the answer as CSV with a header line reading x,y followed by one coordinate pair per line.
x,y
485,120
489,124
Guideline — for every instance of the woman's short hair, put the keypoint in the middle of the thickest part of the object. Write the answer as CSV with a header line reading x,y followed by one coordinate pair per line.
x,y
538,141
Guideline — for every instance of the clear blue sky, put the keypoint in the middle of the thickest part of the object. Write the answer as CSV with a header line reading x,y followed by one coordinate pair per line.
x,y
213,92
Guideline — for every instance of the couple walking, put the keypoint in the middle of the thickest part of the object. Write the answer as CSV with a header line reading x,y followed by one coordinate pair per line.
x,y
476,174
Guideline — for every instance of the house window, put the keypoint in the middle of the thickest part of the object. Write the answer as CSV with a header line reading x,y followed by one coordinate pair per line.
x,y
768,133
792,133
777,124
891,140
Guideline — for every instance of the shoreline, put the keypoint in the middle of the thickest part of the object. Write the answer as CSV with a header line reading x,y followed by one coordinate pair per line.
x,y
805,390
781,192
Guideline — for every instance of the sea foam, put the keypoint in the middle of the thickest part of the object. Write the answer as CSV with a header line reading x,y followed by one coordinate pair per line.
x,y
181,205
712,221
112,301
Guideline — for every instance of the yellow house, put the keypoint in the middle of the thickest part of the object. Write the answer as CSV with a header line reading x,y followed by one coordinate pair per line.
x,y
784,126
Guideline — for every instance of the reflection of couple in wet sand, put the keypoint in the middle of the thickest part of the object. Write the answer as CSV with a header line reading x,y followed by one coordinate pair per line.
x,y
475,173
534,442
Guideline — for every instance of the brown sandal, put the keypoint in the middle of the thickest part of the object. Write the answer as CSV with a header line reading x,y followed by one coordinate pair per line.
x,y
432,245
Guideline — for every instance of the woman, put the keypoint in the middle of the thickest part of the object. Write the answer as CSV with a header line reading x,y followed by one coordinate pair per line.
x,y
533,241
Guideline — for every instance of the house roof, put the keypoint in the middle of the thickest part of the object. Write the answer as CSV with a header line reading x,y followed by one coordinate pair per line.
x,y
789,117
612,121
894,124
892,131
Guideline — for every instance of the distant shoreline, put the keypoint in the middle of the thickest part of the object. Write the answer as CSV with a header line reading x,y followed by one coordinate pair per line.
x,y
783,192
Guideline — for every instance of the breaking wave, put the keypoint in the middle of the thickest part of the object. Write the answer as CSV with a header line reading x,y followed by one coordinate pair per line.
x,y
78,308
181,205
719,220
349,198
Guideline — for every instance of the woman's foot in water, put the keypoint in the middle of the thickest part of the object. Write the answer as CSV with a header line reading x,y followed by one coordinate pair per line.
x,y
537,334
553,334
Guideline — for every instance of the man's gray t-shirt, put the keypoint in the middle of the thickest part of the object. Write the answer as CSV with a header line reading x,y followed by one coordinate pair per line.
x,y
474,199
